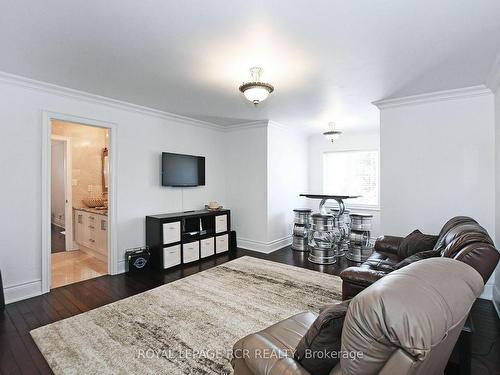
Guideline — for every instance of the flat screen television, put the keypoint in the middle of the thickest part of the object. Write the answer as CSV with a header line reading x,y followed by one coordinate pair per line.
x,y
182,170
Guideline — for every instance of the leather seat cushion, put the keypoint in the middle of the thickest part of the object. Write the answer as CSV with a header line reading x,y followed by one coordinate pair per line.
x,y
418,256
287,333
270,351
380,261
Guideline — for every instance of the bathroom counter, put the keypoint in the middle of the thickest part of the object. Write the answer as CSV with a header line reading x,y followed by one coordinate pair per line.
x,y
92,210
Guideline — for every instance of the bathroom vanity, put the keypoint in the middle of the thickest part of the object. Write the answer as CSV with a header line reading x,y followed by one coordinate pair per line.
x,y
91,232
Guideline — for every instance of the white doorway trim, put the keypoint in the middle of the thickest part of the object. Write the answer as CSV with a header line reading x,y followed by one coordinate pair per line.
x,y
47,118
68,194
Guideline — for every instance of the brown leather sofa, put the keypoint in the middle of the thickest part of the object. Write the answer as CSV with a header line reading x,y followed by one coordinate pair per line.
x,y
389,332
461,238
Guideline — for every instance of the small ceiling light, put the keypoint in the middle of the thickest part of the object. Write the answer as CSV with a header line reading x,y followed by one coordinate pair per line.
x,y
256,91
332,134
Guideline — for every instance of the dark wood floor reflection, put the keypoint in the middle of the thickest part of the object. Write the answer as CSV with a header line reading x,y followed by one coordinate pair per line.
x,y
19,354
58,239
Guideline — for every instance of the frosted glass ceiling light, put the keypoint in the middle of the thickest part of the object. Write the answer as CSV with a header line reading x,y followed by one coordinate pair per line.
x,y
332,134
256,91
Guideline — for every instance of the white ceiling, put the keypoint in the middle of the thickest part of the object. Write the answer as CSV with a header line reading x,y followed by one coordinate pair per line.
x,y
327,59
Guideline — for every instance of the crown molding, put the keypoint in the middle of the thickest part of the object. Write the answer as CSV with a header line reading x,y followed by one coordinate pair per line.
x,y
50,88
296,130
493,79
279,125
437,96
264,124
246,125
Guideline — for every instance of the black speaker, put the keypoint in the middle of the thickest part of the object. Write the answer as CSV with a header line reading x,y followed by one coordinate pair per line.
x,y
137,260
232,240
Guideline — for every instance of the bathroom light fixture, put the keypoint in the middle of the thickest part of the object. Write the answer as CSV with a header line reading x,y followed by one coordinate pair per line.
x,y
332,134
255,90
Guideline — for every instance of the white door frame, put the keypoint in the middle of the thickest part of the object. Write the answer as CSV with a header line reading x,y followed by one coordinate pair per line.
x,y
68,193
47,118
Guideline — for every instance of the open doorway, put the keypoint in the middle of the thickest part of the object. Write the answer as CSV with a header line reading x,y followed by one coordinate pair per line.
x,y
79,171
60,149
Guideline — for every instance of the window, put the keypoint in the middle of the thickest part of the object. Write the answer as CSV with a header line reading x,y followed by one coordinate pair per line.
x,y
353,173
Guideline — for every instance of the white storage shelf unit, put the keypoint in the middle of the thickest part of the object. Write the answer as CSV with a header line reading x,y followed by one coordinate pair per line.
x,y
186,237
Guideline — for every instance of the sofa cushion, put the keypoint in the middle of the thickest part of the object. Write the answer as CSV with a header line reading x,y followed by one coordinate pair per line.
x,y
443,239
416,242
416,257
318,351
380,264
463,235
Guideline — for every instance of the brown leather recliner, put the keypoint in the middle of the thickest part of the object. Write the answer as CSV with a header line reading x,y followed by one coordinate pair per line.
x,y
389,332
461,238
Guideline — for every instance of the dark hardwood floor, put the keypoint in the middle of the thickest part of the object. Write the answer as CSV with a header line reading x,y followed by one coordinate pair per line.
x,y
20,355
486,339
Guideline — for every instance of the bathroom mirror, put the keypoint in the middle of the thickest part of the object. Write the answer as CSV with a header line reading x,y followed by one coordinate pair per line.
x,y
105,170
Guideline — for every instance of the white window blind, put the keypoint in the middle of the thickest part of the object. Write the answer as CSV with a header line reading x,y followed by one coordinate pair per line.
x,y
352,173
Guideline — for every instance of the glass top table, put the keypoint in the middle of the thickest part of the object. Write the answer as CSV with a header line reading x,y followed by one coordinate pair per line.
x,y
325,197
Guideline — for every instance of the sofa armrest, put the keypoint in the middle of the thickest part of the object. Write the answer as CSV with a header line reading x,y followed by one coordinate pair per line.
x,y
256,354
356,279
361,276
388,244
483,257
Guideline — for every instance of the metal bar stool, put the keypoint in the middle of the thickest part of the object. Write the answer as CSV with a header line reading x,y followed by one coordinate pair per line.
x,y
301,229
323,239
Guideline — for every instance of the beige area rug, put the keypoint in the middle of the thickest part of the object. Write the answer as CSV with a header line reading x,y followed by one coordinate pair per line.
x,y
185,327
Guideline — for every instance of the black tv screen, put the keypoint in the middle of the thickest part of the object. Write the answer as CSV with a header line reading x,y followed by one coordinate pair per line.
x,y
182,170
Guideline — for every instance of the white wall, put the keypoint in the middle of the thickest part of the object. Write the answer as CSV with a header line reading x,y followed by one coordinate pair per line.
x,y
266,172
286,179
437,161
349,141
245,152
496,287
237,173
58,180
141,137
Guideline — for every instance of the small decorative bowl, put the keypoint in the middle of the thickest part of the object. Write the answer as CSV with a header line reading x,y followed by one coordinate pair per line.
x,y
95,202
213,208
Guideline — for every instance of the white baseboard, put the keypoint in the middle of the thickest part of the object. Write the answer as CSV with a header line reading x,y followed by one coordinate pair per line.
x,y
14,293
496,298
121,267
487,292
264,247
22,291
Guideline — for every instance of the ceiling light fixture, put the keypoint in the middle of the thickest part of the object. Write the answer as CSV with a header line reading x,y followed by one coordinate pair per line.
x,y
255,90
332,134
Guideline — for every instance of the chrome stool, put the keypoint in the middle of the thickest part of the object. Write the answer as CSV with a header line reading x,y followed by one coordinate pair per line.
x,y
323,239
343,223
301,229
361,246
